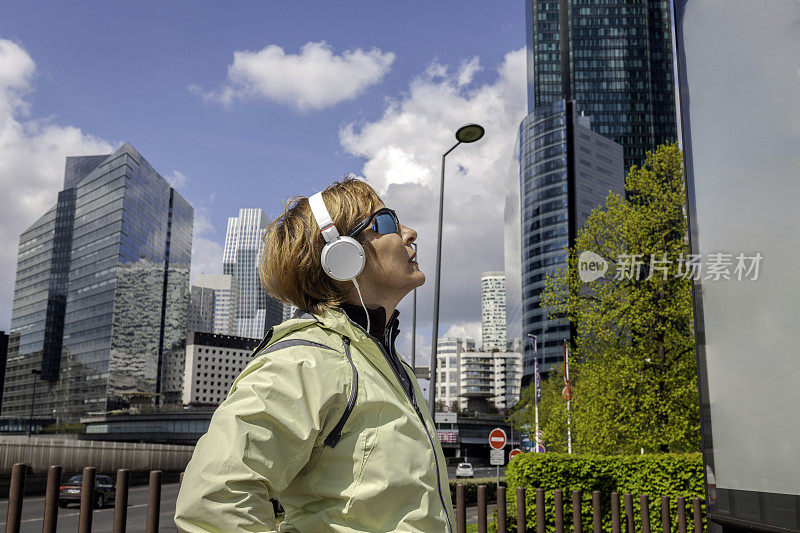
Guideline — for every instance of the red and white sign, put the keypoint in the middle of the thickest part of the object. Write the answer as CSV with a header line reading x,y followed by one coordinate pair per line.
x,y
513,453
497,439
449,436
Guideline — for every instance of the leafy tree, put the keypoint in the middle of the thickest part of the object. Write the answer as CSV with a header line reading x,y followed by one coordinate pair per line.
x,y
632,362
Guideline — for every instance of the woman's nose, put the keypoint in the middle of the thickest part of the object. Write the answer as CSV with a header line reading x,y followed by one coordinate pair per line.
x,y
408,234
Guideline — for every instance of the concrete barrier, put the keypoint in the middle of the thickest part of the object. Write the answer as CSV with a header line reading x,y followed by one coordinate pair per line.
x,y
39,452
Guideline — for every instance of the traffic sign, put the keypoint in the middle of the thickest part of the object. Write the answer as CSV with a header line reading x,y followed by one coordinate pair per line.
x,y
445,408
513,453
538,436
497,457
497,439
539,448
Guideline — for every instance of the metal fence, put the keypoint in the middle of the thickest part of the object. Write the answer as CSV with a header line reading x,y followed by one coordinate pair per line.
x,y
619,517
17,490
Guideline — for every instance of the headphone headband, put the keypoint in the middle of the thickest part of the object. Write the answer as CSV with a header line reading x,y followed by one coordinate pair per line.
x,y
323,218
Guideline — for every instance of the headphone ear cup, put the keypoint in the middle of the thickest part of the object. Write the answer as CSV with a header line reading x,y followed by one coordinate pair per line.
x,y
343,259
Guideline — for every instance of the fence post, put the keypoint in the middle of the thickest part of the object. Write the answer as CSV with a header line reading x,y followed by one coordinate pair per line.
x,y
698,516
644,503
597,516
681,514
666,524
461,509
481,508
51,499
539,510
577,519
629,513
87,500
522,527
121,501
501,509
153,501
615,525
15,495
558,500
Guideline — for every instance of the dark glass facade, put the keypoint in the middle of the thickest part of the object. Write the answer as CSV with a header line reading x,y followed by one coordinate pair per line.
x,y
618,67
117,265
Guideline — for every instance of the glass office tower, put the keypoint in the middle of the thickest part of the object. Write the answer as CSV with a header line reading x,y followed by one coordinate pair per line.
x,y
566,170
617,67
600,95
101,295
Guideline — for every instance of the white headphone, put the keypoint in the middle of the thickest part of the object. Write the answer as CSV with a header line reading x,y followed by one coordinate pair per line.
x,y
342,257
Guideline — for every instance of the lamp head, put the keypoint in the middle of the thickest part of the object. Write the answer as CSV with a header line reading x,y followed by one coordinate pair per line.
x,y
469,133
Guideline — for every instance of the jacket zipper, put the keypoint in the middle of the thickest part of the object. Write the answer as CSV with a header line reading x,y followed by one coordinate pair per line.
x,y
334,436
413,400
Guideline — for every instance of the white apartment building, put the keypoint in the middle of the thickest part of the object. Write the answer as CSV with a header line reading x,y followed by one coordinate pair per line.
x,y
226,294
493,310
493,375
464,373
255,309
213,362
448,379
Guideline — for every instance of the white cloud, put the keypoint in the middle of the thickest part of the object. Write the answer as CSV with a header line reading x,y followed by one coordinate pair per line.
x,y
177,179
206,251
315,78
469,330
32,159
403,153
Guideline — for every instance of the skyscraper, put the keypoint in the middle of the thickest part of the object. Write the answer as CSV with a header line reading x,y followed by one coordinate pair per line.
x,y
600,95
101,292
256,311
614,59
493,311
226,297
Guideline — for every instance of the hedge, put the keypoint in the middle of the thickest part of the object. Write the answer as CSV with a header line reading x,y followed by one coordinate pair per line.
x,y
471,489
656,475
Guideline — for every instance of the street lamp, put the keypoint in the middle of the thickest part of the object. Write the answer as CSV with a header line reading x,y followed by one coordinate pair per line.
x,y
414,324
33,399
468,133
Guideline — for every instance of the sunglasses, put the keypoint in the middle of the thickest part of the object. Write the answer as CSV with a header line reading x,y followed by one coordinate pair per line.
x,y
383,222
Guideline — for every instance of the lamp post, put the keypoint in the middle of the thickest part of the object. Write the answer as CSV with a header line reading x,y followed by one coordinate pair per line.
x,y
33,399
468,133
414,324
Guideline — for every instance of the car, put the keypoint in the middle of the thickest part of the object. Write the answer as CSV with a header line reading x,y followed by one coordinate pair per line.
x,y
465,470
70,492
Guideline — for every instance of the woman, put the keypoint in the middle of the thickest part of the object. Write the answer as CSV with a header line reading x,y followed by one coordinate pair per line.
x,y
326,416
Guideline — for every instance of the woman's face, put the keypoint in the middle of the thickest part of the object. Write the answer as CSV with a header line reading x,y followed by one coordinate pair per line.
x,y
392,269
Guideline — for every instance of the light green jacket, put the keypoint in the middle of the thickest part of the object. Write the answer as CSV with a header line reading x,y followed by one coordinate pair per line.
x,y
268,439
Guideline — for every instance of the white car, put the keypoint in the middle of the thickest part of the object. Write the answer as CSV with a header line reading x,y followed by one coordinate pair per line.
x,y
465,470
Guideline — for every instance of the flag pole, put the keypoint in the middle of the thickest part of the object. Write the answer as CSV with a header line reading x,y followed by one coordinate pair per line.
x,y
568,390
537,391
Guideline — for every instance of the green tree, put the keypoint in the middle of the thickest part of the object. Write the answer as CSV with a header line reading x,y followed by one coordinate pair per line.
x,y
633,370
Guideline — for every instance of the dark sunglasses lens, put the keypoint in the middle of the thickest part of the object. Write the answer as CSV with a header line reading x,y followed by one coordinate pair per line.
x,y
384,224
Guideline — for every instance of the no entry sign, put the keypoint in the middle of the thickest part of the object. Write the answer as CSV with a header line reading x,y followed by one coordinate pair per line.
x,y
497,439
513,453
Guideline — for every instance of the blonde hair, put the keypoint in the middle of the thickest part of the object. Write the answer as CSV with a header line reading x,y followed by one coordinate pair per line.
x,y
290,267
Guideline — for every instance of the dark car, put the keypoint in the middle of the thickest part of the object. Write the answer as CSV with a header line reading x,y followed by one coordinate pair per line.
x,y
104,490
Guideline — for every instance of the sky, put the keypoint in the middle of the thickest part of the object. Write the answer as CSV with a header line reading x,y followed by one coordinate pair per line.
x,y
247,104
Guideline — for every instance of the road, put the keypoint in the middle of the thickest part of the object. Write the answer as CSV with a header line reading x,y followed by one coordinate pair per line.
x,y
103,519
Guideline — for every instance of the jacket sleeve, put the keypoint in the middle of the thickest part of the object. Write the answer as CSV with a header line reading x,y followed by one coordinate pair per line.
x,y
279,409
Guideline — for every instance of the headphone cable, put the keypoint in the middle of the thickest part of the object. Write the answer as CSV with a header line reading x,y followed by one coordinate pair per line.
x,y
362,303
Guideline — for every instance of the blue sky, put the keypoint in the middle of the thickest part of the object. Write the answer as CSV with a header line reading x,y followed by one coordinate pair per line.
x,y
245,104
